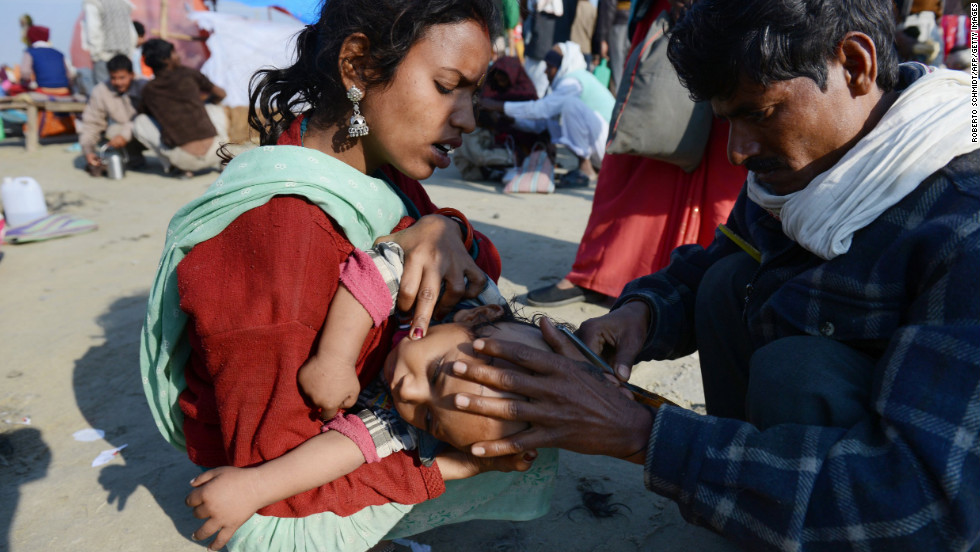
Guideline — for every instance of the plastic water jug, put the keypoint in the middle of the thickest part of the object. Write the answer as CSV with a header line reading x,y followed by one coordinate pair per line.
x,y
23,200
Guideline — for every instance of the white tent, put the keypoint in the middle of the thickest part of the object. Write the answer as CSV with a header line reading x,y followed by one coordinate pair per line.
x,y
240,46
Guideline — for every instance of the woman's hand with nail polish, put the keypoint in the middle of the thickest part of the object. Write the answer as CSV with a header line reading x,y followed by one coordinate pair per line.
x,y
438,270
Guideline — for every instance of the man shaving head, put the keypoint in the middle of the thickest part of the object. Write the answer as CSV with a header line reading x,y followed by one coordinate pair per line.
x,y
800,81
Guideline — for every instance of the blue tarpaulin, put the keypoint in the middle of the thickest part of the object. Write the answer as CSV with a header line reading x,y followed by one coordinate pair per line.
x,y
307,11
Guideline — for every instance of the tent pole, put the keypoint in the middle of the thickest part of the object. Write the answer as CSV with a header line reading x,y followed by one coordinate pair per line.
x,y
164,15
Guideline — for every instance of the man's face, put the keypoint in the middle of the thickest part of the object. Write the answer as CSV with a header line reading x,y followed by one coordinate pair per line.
x,y
499,81
174,60
551,71
120,80
791,131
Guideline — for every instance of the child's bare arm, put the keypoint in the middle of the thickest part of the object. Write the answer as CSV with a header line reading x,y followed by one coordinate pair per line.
x,y
228,496
329,377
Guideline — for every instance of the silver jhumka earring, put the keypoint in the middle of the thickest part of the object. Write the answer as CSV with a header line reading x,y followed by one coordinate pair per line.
x,y
358,126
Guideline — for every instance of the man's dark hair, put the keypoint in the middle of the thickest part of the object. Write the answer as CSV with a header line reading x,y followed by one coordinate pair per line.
x,y
119,62
553,58
313,81
720,42
156,52
140,28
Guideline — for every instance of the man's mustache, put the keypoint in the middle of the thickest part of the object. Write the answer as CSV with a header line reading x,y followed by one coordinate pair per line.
x,y
763,165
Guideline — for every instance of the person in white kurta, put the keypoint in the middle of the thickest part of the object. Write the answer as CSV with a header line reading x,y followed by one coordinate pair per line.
x,y
575,111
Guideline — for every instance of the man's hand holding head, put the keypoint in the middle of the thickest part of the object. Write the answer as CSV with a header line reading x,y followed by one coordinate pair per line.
x,y
570,404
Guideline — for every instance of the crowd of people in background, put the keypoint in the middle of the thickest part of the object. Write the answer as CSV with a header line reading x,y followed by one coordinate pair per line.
x,y
528,101
176,117
545,88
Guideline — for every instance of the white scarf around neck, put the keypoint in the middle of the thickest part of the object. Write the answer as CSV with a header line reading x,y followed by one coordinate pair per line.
x,y
926,127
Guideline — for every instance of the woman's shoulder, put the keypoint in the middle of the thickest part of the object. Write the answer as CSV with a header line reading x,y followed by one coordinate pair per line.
x,y
289,218
285,252
284,226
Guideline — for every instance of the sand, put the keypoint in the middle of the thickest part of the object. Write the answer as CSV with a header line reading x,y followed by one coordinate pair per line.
x,y
70,315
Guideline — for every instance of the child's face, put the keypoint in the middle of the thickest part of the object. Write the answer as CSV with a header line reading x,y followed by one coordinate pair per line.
x,y
422,383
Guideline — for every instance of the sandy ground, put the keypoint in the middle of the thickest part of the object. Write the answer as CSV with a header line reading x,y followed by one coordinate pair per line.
x,y
70,316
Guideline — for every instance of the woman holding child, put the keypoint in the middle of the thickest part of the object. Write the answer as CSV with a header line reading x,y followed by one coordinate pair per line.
x,y
250,269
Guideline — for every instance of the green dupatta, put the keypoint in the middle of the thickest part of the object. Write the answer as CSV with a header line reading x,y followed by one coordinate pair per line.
x,y
364,207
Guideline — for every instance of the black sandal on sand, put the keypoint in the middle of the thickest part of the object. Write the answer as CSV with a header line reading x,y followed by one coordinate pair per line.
x,y
553,296
574,179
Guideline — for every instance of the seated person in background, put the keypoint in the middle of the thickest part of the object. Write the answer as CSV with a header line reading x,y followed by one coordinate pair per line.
x,y
110,111
43,68
575,112
498,145
918,31
507,81
174,120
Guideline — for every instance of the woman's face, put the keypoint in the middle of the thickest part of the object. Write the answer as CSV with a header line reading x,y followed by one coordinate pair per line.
x,y
429,103
420,376
501,81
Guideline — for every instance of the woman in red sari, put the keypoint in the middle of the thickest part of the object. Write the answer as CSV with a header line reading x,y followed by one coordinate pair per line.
x,y
644,208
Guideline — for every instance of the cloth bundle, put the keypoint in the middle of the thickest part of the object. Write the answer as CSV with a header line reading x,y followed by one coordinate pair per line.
x,y
537,174
654,114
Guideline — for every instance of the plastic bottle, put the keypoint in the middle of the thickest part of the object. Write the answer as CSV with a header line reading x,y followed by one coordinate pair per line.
x,y
603,72
23,201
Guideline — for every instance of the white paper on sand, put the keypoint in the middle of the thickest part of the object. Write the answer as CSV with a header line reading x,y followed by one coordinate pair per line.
x,y
106,456
88,434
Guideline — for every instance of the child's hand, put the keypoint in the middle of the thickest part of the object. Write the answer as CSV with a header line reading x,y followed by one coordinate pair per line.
x,y
226,497
329,384
457,464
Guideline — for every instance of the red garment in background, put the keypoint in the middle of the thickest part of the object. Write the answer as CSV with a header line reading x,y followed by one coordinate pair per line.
x,y
521,87
644,208
956,32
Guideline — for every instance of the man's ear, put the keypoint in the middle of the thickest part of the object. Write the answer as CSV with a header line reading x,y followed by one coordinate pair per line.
x,y
351,63
859,57
478,315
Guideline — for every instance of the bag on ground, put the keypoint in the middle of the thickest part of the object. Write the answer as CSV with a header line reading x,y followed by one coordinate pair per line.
x,y
537,174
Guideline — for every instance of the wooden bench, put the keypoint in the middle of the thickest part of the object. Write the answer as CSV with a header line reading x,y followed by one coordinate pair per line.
x,y
32,105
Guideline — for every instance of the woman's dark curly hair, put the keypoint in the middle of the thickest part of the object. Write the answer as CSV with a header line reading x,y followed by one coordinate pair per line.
x,y
719,42
313,82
